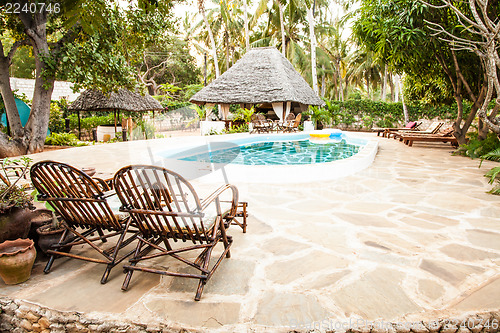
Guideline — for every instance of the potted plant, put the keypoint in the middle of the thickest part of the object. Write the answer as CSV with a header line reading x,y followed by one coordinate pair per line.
x,y
15,203
319,116
50,234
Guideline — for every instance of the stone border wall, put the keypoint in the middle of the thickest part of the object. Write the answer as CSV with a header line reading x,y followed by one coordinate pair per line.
x,y
19,316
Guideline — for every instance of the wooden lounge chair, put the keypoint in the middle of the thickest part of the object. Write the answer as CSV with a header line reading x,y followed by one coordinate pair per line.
x,y
85,209
167,209
412,125
432,129
444,135
293,125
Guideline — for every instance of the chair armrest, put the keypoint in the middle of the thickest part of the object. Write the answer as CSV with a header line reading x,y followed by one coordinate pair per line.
x,y
216,194
102,183
108,194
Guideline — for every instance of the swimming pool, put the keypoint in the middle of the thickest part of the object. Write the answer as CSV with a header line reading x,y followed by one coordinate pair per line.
x,y
296,152
270,158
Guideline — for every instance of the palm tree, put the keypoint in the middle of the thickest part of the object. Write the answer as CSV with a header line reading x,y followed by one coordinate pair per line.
x,y
201,8
364,67
332,56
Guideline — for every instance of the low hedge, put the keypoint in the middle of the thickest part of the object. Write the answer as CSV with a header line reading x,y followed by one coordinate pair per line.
x,y
354,113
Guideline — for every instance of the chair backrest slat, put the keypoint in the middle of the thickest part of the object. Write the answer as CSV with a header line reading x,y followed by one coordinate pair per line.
x,y
73,195
161,202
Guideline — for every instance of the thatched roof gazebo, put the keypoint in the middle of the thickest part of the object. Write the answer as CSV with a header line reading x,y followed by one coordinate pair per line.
x,y
95,100
262,75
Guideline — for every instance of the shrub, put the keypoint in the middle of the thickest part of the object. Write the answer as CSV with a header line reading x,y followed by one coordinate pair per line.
x,y
237,129
385,114
476,148
63,139
56,119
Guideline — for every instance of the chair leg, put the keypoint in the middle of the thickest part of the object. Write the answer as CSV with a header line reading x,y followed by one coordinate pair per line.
x,y
105,276
130,271
225,239
118,246
47,268
199,291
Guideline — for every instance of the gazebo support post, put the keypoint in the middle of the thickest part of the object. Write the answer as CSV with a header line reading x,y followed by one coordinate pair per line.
x,y
114,112
79,127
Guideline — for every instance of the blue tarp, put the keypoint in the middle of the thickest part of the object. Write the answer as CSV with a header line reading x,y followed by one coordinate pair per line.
x,y
24,113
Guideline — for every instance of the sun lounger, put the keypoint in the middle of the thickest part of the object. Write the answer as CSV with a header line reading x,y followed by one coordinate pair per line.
x,y
432,129
412,125
444,135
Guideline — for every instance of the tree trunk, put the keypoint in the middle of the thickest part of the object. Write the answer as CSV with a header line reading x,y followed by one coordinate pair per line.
x,y
405,109
282,27
38,121
9,101
245,17
323,82
312,39
226,35
33,135
201,7
341,85
391,85
493,85
482,130
396,90
367,77
384,85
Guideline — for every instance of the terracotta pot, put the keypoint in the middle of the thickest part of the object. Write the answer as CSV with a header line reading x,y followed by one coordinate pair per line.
x,y
39,217
16,260
47,237
15,223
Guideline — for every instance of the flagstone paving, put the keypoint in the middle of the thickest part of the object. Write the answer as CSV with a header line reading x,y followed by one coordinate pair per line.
x,y
412,237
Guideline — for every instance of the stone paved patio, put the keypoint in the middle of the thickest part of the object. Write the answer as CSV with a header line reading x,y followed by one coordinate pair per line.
x,y
413,237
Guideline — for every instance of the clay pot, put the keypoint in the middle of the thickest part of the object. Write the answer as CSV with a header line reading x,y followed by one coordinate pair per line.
x,y
16,260
15,223
39,218
47,237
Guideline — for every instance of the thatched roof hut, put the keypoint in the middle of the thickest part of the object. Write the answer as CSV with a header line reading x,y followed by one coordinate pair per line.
x,y
94,100
262,75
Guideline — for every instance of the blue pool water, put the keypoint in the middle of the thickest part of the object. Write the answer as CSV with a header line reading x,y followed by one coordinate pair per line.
x,y
296,152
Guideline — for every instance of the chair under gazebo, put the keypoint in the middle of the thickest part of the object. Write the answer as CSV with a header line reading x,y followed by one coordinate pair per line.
x,y
122,100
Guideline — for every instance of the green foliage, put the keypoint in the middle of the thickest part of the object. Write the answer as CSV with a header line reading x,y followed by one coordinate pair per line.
x,y
200,110
387,121
244,114
56,119
476,148
63,139
12,195
237,129
143,130
172,105
320,115
367,122
386,114
89,123
190,90
493,174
